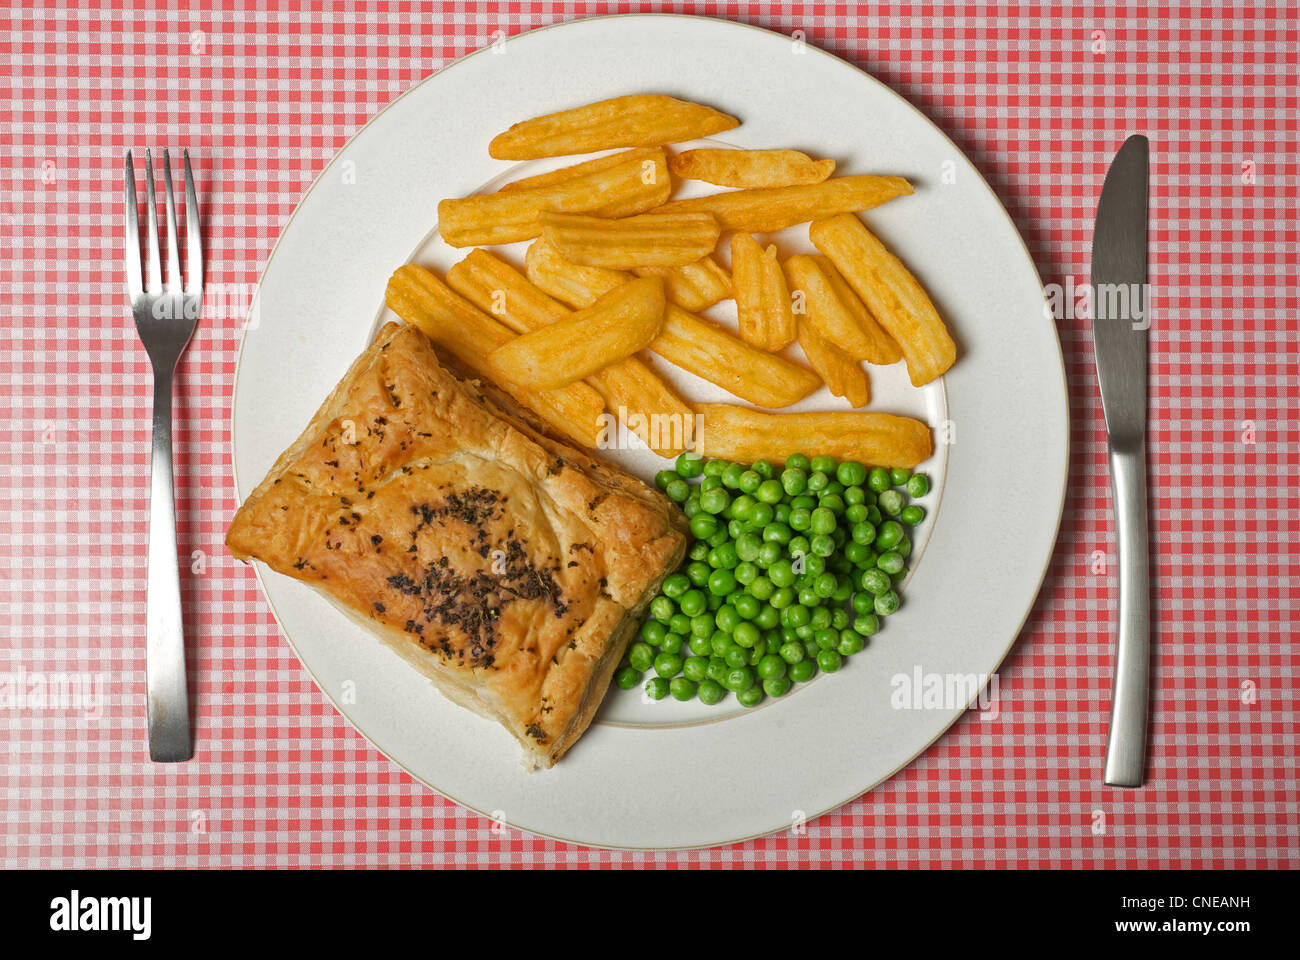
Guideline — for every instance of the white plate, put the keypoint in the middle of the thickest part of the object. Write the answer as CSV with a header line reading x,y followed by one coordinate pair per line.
x,y
659,775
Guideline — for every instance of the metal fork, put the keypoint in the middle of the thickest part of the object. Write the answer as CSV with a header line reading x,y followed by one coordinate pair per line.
x,y
165,320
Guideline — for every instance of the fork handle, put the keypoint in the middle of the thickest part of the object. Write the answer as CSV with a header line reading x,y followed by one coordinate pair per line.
x,y
169,712
1126,745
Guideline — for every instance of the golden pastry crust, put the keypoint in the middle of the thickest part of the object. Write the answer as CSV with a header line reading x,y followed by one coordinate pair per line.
x,y
510,568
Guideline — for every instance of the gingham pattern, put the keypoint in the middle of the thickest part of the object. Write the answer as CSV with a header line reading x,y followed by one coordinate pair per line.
x,y
1038,97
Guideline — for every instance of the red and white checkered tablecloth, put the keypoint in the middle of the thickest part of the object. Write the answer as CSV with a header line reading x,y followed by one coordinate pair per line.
x,y
1038,96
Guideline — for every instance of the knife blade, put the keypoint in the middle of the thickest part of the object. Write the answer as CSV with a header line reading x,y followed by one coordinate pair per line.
x,y
1119,328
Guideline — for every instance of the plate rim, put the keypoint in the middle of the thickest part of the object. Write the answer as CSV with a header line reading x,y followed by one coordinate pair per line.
x,y
258,567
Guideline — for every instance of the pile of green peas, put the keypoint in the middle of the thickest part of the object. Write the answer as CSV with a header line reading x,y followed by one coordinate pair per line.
x,y
789,572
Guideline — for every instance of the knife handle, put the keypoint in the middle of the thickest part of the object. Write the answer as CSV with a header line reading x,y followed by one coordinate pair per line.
x,y
1126,745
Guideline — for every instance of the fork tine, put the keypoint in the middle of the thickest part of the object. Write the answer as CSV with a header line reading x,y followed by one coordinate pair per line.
x,y
174,283
154,267
132,231
193,235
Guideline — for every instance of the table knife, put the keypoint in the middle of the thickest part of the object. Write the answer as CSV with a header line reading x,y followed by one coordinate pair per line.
x,y
1119,329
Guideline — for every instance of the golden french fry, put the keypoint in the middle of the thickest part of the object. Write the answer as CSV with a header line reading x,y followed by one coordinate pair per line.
x,y
775,208
651,159
693,286
692,343
611,329
566,281
504,217
750,168
763,307
649,240
890,292
631,389
875,439
457,326
641,120
835,311
708,351
843,375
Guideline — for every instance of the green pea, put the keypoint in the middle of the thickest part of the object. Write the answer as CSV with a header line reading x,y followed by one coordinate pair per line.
x,y
747,606
721,643
912,515
878,480
717,671
820,619
656,688
781,573
699,646
888,535
850,643
641,656
668,665
864,532
803,671
824,585
823,545
792,652
761,515
762,588
739,679
663,478
710,692
689,464
714,501
741,507
703,525
814,565
714,468
745,573
682,689
661,608
828,661
891,503
709,483
850,472
857,553
817,481
723,556
833,502
868,623
736,656
673,643
675,585
777,532
726,618
768,617
796,615
899,476
855,514
777,686
679,623
798,547
873,515
750,697
653,632
839,618
824,464
782,597
698,551
627,678
887,603
843,589
714,601
745,634
874,582
822,520
770,492
890,562
749,481
855,496
904,547
808,597
796,461
693,602
800,518
692,505
721,582
731,476
794,481
678,490
781,512
918,485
